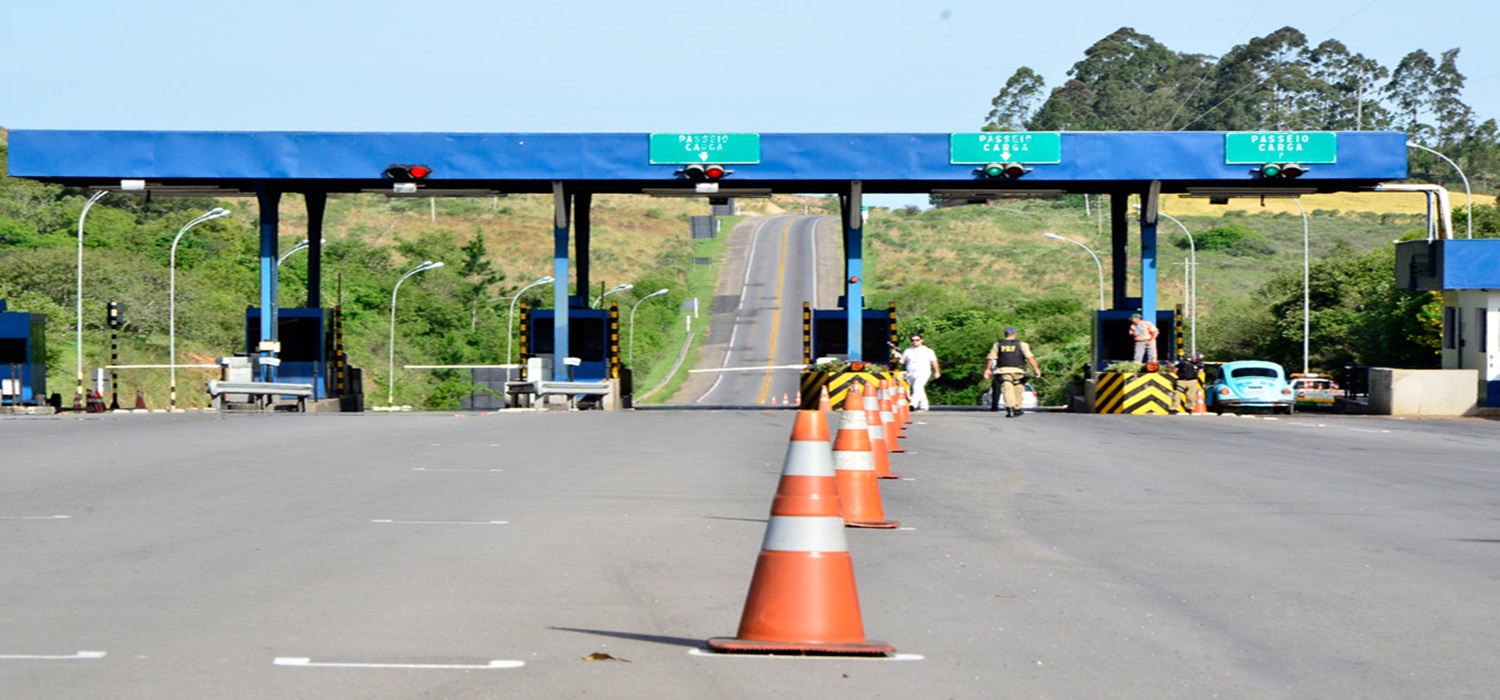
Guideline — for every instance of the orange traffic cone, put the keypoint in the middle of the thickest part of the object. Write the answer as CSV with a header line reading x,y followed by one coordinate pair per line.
x,y
824,405
888,419
878,445
854,469
802,597
96,402
1199,406
140,400
903,406
78,402
773,399
785,399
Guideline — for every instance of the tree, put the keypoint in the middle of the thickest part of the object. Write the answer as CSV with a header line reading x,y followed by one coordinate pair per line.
x,y
1357,317
1455,120
1013,107
1348,99
479,275
1127,81
1411,89
1262,84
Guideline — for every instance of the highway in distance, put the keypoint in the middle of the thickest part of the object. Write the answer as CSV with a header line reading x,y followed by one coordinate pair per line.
x,y
770,270
493,555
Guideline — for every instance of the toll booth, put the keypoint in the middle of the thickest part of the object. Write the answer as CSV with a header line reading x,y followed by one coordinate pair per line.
x,y
307,346
1113,342
1467,273
826,334
593,338
23,357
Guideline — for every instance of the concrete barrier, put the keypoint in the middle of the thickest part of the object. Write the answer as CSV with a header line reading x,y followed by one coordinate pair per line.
x,y
1424,392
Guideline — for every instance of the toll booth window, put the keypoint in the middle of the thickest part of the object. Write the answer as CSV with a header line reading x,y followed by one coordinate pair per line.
x,y
13,351
301,339
587,339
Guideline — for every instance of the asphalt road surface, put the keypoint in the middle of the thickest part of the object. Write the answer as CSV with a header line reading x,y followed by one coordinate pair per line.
x,y
757,329
489,555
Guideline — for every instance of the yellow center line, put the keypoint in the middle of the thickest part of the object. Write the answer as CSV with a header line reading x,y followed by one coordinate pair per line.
x,y
765,386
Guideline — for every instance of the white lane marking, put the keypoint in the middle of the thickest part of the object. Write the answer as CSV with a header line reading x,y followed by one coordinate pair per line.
x,y
308,663
32,657
442,522
906,528
428,469
1368,430
35,517
818,657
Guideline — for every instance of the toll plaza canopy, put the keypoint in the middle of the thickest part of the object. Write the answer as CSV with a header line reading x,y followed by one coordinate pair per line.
x,y
960,167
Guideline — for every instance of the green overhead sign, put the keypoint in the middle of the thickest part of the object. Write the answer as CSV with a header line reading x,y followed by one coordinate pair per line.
x,y
1256,147
1005,147
681,149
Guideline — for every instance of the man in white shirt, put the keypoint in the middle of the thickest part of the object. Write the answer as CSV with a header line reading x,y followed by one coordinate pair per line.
x,y
921,365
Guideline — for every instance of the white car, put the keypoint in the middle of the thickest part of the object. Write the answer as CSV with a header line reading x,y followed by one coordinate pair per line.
x,y
1028,398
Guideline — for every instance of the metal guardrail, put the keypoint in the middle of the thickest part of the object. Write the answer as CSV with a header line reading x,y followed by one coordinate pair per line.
x,y
262,394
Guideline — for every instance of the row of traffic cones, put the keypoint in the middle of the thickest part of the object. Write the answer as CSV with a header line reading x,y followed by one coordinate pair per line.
x,y
786,399
94,403
802,597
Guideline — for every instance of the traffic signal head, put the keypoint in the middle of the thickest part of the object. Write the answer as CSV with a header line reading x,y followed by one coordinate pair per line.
x,y
704,172
1285,171
407,173
1005,170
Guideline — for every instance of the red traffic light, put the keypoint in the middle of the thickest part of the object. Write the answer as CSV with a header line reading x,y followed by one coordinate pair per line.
x,y
407,173
704,172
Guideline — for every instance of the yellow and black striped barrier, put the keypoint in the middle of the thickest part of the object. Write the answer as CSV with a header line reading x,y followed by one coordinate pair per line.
x,y
1135,393
838,384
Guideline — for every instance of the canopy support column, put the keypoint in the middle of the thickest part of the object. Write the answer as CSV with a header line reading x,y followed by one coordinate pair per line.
x,y
270,225
854,253
560,301
317,204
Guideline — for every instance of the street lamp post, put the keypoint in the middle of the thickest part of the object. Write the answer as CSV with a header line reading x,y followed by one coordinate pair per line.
x,y
630,357
1306,293
1097,264
214,213
390,382
79,295
618,288
510,319
1468,196
1192,305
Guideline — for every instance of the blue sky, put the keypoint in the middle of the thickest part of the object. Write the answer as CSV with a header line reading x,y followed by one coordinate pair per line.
x,y
637,66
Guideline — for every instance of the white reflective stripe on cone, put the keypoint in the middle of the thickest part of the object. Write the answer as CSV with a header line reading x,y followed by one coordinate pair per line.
x,y
852,461
801,533
807,458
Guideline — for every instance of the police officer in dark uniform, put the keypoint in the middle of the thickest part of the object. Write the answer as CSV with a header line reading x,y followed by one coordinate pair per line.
x,y
1189,383
1006,369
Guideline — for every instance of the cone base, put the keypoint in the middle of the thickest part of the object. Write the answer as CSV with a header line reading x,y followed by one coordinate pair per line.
x,y
883,524
730,645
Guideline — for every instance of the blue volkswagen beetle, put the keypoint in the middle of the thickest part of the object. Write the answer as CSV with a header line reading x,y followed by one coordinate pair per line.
x,y
1250,383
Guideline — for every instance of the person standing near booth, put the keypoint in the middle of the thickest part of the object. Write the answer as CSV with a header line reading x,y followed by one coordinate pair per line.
x,y
921,366
1144,334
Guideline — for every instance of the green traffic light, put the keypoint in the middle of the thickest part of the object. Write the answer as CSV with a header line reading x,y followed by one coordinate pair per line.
x,y
994,170
1270,170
